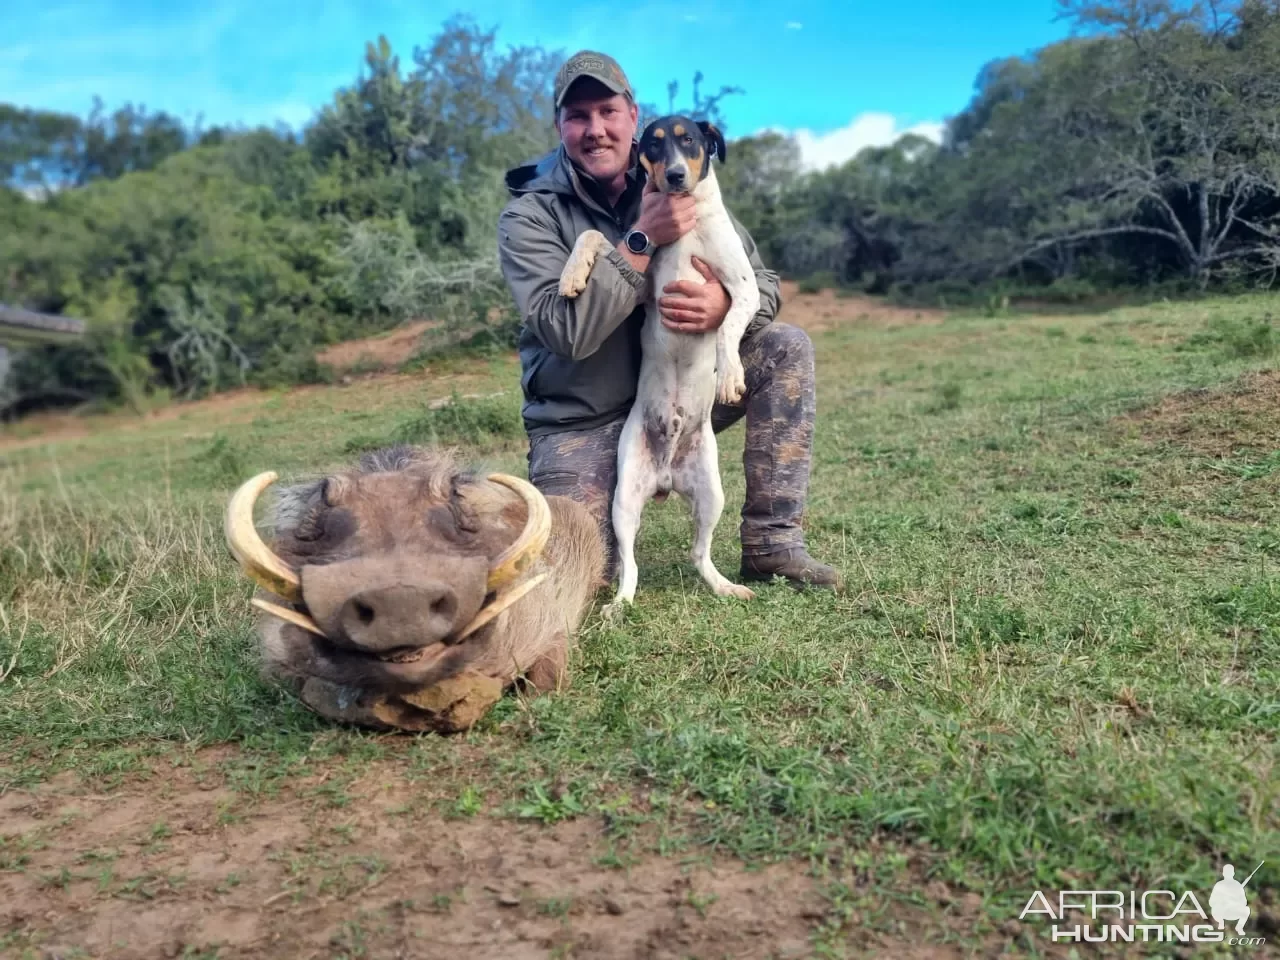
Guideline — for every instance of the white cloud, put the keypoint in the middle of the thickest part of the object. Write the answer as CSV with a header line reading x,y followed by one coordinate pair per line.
x,y
38,192
794,24
821,150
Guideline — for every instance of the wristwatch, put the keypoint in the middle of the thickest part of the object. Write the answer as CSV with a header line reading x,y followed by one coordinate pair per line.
x,y
638,242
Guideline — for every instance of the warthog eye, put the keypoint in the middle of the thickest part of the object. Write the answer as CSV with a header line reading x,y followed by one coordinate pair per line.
x,y
463,519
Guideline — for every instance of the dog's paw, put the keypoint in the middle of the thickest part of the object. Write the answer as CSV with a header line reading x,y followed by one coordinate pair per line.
x,y
577,269
574,279
731,381
730,589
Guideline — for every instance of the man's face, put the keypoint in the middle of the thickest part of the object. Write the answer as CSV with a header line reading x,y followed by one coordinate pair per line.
x,y
597,128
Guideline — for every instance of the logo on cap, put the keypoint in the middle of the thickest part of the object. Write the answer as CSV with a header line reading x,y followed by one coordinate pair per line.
x,y
598,66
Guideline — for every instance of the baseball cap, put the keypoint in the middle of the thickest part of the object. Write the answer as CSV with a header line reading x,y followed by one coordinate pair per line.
x,y
597,66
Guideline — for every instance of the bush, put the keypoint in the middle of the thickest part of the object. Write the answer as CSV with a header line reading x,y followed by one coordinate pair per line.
x,y
472,422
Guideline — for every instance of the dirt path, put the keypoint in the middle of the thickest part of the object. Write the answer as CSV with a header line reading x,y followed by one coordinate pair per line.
x,y
816,312
387,351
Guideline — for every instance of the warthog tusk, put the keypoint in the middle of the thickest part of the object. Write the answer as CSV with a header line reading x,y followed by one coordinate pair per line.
x,y
292,616
500,603
255,557
523,554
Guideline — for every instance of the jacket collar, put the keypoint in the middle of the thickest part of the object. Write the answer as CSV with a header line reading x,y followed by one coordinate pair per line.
x,y
554,172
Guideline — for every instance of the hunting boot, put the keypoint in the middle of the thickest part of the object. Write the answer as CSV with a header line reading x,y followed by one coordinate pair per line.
x,y
793,563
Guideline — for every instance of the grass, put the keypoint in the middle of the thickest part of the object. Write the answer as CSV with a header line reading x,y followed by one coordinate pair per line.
x,y
1057,659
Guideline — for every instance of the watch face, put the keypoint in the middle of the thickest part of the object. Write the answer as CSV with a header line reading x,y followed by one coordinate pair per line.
x,y
637,241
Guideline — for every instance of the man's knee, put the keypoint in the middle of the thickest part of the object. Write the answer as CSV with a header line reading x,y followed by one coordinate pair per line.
x,y
581,465
780,344
793,342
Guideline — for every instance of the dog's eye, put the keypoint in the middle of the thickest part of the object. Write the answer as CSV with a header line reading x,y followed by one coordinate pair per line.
x,y
688,140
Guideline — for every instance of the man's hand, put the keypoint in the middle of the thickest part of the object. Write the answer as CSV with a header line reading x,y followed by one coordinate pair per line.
x,y
665,218
699,307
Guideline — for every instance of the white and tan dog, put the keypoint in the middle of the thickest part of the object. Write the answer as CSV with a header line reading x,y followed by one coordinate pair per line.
x,y
667,442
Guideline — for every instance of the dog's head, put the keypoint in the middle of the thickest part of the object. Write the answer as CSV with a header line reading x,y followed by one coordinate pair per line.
x,y
676,152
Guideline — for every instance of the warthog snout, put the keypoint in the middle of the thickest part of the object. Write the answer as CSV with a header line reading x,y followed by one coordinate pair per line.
x,y
377,619
381,605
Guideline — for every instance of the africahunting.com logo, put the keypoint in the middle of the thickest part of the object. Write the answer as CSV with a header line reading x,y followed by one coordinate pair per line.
x,y
1148,916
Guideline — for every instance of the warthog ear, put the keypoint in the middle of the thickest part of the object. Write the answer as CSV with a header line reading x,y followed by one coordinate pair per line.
x,y
333,490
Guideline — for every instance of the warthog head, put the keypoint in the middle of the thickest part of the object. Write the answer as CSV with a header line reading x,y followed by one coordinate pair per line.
x,y
407,571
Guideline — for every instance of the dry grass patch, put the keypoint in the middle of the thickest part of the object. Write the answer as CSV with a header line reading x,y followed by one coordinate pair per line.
x,y
1243,415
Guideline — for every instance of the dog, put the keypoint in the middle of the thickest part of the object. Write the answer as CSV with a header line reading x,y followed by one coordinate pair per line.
x,y
667,442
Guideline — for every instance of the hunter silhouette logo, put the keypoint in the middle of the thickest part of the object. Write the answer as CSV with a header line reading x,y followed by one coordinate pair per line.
x,y
1145,916
1228,901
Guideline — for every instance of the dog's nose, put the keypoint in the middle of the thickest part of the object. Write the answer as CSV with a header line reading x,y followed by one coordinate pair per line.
x,y
675,177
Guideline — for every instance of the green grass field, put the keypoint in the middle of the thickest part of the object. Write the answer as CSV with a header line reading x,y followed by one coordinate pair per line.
x,y
1055,662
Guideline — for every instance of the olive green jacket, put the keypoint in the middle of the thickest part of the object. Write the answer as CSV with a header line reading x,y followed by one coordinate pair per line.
x,y
581,358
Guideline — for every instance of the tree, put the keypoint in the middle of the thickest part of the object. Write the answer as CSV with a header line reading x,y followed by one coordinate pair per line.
x,y
1163,124
701,107
34,146
41,149
758,182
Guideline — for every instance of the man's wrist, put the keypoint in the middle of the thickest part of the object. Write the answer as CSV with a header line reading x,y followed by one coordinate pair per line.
x,y
638,260
638,241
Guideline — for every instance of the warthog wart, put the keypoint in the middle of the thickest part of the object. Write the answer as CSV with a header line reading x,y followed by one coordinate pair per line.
x,y
409,591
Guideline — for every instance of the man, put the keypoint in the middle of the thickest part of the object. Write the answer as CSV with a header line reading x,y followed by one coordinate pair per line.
x,y
581,358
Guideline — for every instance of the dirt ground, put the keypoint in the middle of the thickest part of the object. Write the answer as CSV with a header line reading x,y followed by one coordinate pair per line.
x,y
826,310
180,865
385,351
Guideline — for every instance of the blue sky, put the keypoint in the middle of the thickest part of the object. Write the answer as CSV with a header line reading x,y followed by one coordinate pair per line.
x,y
837,75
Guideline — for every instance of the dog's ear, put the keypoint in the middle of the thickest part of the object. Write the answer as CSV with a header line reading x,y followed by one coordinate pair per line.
x,y
712,133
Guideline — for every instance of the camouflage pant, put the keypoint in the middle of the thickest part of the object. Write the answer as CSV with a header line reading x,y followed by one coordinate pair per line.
x,y
779,408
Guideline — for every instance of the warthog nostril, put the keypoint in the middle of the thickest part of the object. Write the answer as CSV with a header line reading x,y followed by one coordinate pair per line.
x,y
400,615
